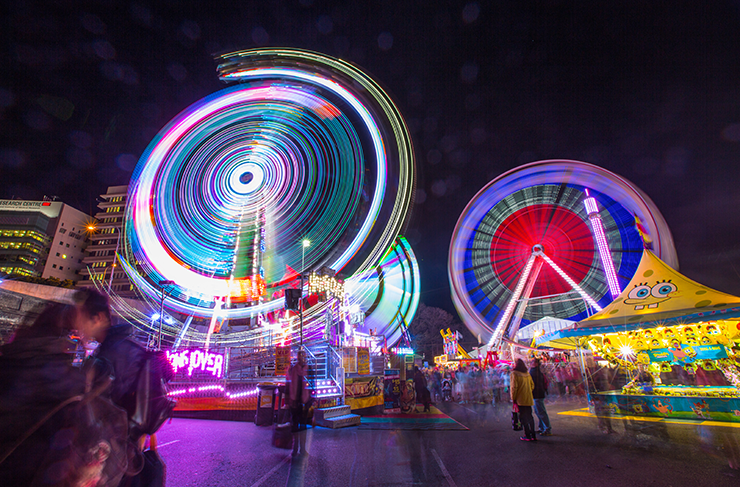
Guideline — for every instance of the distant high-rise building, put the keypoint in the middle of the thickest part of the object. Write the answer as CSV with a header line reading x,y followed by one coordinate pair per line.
x,y
105,241
44,239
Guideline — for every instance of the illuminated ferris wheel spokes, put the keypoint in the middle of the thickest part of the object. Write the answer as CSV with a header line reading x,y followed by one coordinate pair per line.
x,y
523,291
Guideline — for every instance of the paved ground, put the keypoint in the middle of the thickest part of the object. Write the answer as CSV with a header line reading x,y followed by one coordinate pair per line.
x,y
209,453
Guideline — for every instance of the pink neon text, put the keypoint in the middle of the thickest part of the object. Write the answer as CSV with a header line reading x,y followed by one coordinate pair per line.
x,y
197,359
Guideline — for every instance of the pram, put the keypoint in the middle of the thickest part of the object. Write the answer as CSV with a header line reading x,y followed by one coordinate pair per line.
x,y
446,390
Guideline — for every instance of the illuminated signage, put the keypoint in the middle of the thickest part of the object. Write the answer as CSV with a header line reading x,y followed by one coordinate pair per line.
x,y
440,359
48,208
247,289
403,351
197,360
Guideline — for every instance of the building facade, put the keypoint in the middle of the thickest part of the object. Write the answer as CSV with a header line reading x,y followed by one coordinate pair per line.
x,y
44,239
100,267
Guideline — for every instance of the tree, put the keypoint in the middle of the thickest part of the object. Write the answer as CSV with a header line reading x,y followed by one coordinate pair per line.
x,y
425,327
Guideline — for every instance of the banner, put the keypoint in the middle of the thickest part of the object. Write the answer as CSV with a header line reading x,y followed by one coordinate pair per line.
x,y
282,360
363,392
363,361
349,359
688,353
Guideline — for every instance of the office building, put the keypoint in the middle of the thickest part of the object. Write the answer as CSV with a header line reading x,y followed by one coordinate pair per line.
x,y
45,239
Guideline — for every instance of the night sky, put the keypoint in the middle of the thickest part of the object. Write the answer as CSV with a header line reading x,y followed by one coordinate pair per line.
x,y
649,90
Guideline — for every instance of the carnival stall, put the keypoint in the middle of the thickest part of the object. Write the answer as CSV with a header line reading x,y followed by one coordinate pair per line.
x,y
676,341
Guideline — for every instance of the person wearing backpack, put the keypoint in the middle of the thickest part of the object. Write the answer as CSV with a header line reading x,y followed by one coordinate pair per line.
x,y
44,398
139,388
539,393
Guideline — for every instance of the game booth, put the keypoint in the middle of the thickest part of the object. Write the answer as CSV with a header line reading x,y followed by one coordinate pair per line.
x,y
671,348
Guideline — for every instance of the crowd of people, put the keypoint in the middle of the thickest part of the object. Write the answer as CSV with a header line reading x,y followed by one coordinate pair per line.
x,y
474,384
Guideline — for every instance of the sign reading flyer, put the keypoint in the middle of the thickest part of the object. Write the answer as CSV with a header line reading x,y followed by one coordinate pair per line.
x,y
363,361
282,360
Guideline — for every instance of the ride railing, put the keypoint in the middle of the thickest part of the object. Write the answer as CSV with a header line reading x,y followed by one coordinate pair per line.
x,y
250,363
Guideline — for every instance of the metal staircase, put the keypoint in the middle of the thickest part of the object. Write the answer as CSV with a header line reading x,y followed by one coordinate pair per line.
x,y
326,379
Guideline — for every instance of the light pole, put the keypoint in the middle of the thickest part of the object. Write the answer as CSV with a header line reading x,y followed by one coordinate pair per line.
x,y
162,284
305,243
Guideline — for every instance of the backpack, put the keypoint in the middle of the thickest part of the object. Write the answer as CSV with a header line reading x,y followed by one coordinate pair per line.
x,y
94,449
152,407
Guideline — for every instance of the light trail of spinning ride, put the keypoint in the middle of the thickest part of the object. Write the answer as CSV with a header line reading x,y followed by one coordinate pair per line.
x,y
534,241
389,293
303,147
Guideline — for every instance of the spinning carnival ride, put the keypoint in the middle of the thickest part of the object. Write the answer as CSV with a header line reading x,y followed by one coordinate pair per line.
x,y
303,148
552,238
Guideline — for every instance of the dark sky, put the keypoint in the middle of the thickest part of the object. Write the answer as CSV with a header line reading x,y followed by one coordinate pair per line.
x,y
649,90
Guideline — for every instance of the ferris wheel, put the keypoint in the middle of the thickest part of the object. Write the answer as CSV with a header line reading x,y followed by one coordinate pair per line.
x,y
555,238
304,162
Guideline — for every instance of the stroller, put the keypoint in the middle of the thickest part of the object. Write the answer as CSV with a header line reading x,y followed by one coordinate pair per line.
x,y
446,390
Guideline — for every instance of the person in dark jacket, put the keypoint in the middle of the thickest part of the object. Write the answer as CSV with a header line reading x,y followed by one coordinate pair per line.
x,y
127,357
48,435
539,393
420,387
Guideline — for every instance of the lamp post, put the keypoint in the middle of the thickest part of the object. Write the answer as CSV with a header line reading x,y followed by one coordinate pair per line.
x,y
162,284
305,243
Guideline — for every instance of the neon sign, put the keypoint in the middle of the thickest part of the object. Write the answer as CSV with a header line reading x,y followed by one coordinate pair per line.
x,y
197,359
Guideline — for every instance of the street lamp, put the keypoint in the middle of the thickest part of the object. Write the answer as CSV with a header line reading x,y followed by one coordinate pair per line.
x,y
306,243
162,284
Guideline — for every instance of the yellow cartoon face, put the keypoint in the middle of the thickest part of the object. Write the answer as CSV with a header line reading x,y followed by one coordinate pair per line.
x,y
644,296
707,365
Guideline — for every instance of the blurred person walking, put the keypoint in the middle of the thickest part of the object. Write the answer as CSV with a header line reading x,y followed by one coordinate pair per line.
x,y
56,426
420,387
299,400
539,393
521,395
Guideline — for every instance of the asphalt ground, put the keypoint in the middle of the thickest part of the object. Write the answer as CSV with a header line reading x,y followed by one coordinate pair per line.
x,y
645,453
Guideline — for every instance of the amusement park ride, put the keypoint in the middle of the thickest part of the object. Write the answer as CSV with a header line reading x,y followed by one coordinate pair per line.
x,y
300,148
305,163
570,240
551,238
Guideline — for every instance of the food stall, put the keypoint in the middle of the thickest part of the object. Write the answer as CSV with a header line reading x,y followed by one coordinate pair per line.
x,y
675,343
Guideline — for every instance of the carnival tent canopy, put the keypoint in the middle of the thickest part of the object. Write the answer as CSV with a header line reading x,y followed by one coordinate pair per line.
x,y
545,325
656,296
